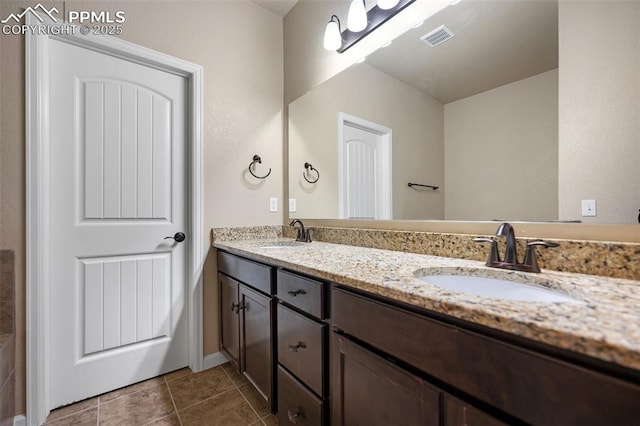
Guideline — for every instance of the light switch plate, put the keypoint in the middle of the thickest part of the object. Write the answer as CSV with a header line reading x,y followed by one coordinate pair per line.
x,y
273,205
588,208
292,205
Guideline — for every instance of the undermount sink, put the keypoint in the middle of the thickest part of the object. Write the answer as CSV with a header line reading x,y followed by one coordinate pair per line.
x,y
282,244
496,288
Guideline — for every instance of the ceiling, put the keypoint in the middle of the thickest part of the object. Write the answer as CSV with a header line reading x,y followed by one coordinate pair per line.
x,y
495,43
279,7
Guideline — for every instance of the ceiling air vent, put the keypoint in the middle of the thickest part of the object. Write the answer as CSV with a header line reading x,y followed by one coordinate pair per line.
x,y
437,36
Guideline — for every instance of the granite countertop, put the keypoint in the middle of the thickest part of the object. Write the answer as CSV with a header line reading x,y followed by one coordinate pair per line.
x,y
604,324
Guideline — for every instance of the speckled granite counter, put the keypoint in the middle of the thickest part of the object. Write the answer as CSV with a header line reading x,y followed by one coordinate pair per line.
x,y
605,324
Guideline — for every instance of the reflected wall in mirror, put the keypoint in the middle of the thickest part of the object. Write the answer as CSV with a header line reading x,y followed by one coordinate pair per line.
x,y
478,116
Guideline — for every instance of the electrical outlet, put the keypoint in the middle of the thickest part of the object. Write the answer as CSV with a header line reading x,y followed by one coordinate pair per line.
x,y
273,205
588,208
292,205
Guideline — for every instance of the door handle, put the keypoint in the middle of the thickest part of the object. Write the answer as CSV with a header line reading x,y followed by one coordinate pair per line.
x,y
178,237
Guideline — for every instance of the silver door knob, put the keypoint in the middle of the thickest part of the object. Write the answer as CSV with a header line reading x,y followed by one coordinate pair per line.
x,y
178,237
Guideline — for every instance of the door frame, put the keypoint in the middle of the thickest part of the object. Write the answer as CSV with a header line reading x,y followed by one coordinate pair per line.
x,y
38,209
387,139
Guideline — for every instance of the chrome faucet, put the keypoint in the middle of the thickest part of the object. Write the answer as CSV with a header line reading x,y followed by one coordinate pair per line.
x,y
530,263
303,234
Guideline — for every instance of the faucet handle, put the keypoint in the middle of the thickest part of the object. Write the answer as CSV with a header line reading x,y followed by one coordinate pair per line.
x,y
530,258
494,257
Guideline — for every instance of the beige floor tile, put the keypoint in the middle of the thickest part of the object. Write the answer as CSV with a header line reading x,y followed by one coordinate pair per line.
x,y
226,409
197,387
87,417
72,408
137,408
236,378
147,384
170,420
256,400
270,420
177,374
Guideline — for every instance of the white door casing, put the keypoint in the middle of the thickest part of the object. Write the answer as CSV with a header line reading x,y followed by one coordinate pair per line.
x,y
364,169
134,337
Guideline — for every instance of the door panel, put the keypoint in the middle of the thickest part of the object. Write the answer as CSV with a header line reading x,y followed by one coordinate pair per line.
x,y
127,150
401,398
118,187
256,326
229,327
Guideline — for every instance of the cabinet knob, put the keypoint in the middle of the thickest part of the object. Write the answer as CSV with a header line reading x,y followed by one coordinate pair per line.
x,y
237,307
294,415
294,293
299,345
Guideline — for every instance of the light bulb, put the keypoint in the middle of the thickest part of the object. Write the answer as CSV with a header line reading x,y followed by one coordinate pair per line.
x,y
387,4
332,38
357,18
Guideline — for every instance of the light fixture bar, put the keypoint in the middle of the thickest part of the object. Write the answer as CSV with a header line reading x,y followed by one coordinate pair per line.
x,y
375,17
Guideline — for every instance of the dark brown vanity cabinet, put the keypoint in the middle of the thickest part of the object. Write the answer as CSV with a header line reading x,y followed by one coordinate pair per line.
x,y
369,390
302,350
516,384
246,312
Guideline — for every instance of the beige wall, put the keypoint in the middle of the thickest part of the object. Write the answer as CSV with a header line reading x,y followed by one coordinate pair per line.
x,y
599,134
239,44
501,152
365,92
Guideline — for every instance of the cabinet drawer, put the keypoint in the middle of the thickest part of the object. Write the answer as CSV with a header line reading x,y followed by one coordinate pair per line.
x,y
303,293
533,387
300,347
296,405
249,272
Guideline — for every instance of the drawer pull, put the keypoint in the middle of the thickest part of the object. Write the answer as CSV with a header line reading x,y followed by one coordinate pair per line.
x,y
299,345
294,293
294,415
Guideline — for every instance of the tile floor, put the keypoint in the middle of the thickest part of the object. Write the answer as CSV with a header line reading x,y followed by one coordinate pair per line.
x,y
218,396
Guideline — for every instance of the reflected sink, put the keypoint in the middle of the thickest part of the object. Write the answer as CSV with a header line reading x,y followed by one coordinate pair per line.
x,y
497,289
282,244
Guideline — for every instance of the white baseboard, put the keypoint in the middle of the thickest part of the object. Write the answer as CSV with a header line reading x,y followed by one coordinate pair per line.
x,y
213,360
20,420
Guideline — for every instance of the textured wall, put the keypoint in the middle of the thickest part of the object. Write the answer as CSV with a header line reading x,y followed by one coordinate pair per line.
x,y
599,109
501,152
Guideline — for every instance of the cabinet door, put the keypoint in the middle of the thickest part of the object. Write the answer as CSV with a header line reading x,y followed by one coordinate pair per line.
x,y
369,390
459,413
229,319
256,339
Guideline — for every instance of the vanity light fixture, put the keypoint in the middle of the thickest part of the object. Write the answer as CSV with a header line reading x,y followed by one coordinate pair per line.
x,y
357,17
332,37
387,4
360,23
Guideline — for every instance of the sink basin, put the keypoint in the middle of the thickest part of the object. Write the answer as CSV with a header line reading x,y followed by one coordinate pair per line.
x,y
496,289
282,244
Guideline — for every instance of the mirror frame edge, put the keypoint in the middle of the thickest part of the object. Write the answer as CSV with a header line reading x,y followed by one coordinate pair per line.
x,y
560,231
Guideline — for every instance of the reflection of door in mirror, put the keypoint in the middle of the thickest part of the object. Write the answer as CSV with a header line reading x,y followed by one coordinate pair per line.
x,y
365,169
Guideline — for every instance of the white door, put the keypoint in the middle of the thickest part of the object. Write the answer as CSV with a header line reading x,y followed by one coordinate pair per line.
x,y
118,187
366,172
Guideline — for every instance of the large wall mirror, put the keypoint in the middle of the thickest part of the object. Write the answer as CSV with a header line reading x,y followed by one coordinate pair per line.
x,y
473,109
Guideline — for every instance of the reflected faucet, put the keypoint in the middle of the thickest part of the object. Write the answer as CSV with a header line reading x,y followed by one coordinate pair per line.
x,y
303,234
530,263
